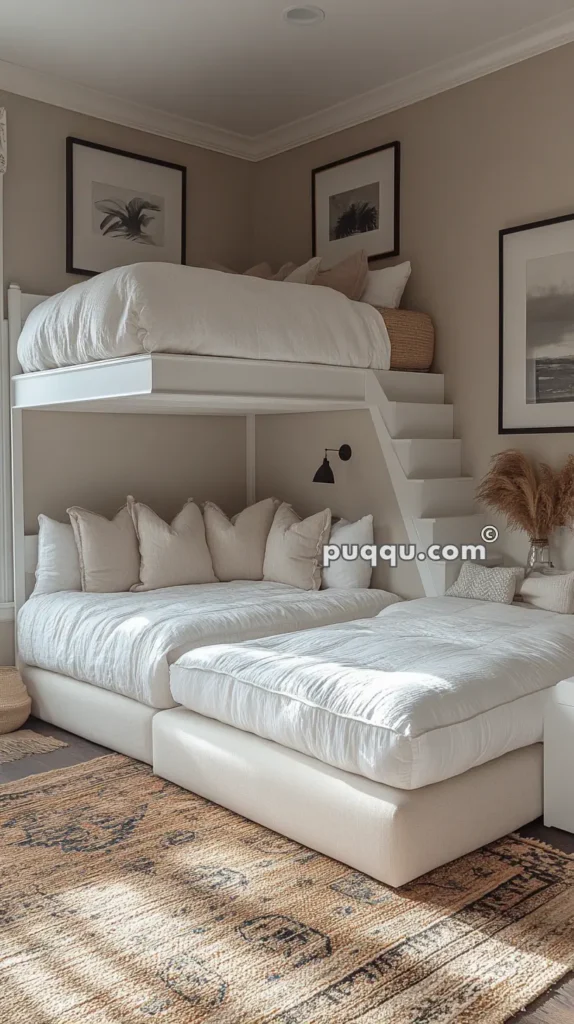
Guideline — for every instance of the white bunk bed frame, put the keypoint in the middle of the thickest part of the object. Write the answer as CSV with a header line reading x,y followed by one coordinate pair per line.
x,y
391,834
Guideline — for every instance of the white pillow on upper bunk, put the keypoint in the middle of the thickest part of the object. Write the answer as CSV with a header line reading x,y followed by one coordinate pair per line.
x,y
344,574
385,287
58,565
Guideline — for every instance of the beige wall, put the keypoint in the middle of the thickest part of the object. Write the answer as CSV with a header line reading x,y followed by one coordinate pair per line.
x,y
484,156
161,460
218,192
290,450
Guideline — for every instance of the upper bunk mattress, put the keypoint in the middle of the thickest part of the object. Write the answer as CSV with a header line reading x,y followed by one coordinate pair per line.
x,y
162,307
426,690
126,642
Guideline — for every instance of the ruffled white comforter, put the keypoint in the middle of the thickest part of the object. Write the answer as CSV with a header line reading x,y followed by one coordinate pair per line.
x,y
162,307
126,642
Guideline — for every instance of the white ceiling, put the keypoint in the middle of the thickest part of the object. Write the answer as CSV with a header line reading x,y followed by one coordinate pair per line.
x,y
236,66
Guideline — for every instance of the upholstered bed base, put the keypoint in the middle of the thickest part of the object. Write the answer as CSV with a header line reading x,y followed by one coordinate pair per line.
x,y
98,715
392,834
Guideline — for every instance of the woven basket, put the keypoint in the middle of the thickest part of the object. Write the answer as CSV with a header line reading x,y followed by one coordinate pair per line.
x,y
15,704
412,339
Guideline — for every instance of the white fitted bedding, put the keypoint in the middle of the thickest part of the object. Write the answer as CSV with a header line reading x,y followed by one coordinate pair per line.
x,y
423,692
126,642
162,307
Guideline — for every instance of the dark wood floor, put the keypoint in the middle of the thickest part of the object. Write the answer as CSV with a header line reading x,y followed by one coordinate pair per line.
x,y
556,1007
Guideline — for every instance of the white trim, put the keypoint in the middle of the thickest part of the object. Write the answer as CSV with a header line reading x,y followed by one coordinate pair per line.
x,y
250,459
61,93
528,42
7,612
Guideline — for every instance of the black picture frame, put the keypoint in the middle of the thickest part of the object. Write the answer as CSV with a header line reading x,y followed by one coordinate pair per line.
x,y
71,142
396,146
503,234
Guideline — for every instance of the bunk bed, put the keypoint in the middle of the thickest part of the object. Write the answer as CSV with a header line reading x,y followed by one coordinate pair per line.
x,y
368,823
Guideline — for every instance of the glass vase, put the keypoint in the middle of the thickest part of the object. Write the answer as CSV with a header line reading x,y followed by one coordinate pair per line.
x,y
538,556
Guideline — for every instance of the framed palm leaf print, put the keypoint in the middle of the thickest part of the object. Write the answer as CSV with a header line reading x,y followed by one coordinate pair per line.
x,y
356,205
122,208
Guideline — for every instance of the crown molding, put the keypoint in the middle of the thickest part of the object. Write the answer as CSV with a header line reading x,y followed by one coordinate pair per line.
x,y
538,38
36,85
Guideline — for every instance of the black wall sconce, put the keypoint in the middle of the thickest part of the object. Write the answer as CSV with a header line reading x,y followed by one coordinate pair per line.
x,y
324,474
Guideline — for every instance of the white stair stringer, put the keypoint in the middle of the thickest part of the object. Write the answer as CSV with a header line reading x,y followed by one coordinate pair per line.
x,y
436,509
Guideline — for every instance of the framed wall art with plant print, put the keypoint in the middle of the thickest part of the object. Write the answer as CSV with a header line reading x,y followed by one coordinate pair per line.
x,y
356,205
536,359
121,208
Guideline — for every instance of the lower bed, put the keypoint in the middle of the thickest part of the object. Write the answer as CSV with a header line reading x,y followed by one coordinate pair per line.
x,y
99,664
394,744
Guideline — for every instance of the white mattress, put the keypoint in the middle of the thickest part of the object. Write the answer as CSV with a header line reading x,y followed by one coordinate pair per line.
x,y
126,642
426,690
161,307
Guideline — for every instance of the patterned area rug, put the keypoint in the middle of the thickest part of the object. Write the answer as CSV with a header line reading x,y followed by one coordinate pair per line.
x,y
23,742
125,899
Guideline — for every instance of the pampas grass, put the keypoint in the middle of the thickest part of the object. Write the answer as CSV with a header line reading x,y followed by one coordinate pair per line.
x,y
535,499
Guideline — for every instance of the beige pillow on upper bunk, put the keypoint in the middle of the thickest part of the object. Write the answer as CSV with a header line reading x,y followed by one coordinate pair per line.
x,y
348,277
172,555
294,551
237,545
107,549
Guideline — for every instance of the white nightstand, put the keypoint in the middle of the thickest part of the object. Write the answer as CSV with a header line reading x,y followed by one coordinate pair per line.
x,y
559,758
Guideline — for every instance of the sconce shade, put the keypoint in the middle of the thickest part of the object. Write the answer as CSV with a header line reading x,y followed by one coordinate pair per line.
x,y
324,474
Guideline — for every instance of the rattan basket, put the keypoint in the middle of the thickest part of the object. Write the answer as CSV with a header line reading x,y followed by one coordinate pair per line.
x,y
15,704
412,339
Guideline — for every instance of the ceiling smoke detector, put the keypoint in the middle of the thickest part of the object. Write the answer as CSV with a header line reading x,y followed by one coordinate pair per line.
x,y
307,15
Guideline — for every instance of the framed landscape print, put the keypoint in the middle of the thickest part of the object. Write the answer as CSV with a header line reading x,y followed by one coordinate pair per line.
x,y
356,205
536,378
121,208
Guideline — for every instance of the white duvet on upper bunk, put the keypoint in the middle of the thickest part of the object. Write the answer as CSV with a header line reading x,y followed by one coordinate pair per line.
x,y
426,690
164,307
126,642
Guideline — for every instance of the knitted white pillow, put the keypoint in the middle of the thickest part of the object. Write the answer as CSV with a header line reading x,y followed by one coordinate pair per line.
x,y
481,583
553,592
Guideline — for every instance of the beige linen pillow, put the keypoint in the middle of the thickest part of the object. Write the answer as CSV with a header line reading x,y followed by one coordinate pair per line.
x,y
348,277
294,551
284,271
237,545
552,592
172,555
107,549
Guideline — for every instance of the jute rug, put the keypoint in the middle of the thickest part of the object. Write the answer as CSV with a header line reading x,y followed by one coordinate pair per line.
x,y
14,745
125,899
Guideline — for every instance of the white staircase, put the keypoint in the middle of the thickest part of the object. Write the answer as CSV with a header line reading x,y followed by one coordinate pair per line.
x,y
415,431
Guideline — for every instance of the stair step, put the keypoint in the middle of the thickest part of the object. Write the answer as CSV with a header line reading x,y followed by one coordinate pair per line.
x,y
419,420
451,496
450,529
405,386
429,459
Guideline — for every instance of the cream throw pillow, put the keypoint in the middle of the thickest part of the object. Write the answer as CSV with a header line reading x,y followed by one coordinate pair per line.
x,y
552,592
348,277
294,552
237,546
306,273
171,555
107,549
